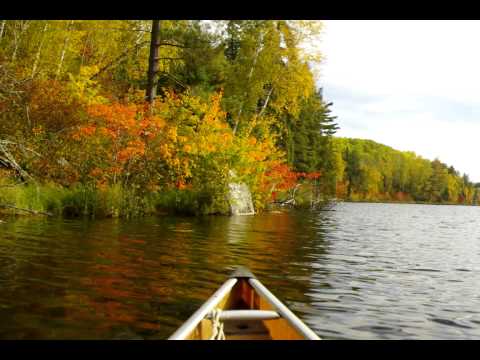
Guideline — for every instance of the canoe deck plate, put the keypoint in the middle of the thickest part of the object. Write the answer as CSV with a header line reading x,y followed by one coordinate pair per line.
x,y
245,330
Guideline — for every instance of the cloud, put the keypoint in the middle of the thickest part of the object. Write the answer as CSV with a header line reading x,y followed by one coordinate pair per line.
x,y
412,85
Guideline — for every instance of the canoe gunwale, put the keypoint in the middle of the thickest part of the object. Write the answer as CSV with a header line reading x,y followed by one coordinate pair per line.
x,y
202,312
284,312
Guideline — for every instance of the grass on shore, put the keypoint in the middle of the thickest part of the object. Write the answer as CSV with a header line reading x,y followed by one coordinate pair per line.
x,y
112,201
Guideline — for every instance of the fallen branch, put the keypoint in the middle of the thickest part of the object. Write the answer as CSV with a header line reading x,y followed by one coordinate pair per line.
x,y
13,185
6,158
35,212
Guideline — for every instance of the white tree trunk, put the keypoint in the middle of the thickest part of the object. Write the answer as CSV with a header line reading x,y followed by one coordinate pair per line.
x,y
266,102
37,55
17,35
87,39
64,49
2,27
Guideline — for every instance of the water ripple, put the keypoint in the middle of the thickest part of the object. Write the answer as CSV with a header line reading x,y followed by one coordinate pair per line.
x,y
362,271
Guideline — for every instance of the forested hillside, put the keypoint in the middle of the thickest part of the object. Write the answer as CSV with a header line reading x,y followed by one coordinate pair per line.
x,y
371,171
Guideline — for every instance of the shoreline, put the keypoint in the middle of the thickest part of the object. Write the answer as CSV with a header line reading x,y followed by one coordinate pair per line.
x,y
404,202
8,214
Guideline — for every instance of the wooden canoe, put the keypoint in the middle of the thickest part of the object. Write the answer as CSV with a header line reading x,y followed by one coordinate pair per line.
x,y
243,309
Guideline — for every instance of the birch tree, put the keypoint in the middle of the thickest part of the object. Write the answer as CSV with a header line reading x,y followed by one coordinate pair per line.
x,y
39,49
2,27
64,49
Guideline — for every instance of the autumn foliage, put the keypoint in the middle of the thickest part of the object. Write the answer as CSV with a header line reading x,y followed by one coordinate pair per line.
x,y
181,144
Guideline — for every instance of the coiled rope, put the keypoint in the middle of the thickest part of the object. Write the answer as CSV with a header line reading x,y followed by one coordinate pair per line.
x,y
217,325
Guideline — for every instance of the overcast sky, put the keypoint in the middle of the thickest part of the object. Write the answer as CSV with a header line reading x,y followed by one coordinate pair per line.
x,y
412,85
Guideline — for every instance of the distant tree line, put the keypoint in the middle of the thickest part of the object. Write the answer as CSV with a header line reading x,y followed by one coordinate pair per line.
x,y
371,171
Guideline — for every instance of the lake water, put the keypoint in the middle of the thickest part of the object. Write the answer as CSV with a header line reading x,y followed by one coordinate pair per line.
x,y
360,271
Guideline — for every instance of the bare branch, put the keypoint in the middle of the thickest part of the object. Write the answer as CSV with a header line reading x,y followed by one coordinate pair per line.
x,y
174,79
167,58
163,43
118,58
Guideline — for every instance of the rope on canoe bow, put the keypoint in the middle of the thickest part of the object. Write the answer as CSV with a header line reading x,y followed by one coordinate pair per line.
x,y
217,325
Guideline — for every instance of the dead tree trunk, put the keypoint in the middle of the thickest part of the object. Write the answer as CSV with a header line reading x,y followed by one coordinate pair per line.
x,y
151,91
